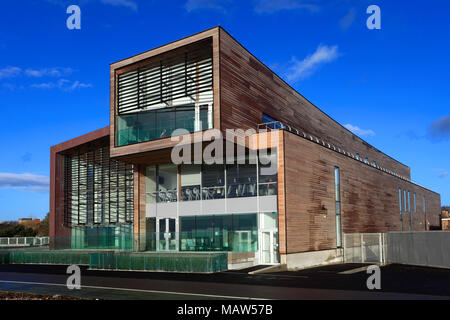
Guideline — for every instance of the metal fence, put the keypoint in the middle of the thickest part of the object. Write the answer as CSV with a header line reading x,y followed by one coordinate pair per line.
x,y
24,242
364,248
425,248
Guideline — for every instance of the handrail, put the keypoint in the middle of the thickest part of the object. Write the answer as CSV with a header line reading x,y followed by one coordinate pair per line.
x,y
24,241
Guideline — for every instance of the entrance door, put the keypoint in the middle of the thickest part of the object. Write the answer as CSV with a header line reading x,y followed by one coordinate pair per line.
x,y
167,239
269,247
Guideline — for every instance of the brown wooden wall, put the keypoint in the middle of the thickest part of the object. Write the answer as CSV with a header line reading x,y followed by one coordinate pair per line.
x,y
248,89
369,197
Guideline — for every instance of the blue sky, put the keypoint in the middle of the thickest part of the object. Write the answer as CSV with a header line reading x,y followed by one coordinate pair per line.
x,y
390,86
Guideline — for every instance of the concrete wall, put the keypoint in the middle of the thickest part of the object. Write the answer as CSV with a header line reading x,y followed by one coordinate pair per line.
x,y
419,248
310,259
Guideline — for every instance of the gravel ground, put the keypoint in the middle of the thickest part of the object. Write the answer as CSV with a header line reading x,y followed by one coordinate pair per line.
x,y
4,295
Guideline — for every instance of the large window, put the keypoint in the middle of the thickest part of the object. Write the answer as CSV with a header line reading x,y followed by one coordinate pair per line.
x,y
415,204
161,123
271,122
173,92
337,188
191,180
237,232
161,183
210,182
213,182
267,174
241,180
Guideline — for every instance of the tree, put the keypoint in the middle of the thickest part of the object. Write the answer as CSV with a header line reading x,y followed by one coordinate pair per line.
x,y
17,230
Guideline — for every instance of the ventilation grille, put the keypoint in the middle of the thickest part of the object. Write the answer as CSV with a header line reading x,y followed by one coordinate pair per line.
x,y
163,82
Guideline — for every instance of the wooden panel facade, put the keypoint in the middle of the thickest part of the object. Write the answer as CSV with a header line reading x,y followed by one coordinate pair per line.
x,y
248,89
244,89
369,197
135,61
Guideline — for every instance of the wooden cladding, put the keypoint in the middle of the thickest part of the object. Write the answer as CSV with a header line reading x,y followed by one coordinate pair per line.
x,y
249,89
368,198
165,81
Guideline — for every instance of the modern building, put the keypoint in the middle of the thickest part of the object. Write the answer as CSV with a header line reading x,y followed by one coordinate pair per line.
x,y
286,183
29,222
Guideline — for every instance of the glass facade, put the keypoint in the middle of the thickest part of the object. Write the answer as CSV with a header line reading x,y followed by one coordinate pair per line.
x,y
213,181
172,92
205,227
102,237
158,124
233,232
210,182
98,200
161,183
241,180
267,176
191,181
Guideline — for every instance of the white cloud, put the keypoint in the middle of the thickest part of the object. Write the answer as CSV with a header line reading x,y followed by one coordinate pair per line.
x,y
62,84
13,71
271,6
192,5
443,174
51,72
299,70
440,129
122,3
24,181
11,86
360,132
78,84
131,4
9,72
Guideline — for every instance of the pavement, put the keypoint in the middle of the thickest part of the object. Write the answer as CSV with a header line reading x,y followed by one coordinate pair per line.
x,y
344,281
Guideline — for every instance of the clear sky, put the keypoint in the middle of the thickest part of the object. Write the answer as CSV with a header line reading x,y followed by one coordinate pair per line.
x,y
390,86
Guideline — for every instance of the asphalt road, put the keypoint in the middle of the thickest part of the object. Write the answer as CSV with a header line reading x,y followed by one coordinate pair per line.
x,y
397,282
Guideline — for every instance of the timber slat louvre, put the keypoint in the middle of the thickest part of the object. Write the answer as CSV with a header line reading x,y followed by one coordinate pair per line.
x,y
184,75
97,189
